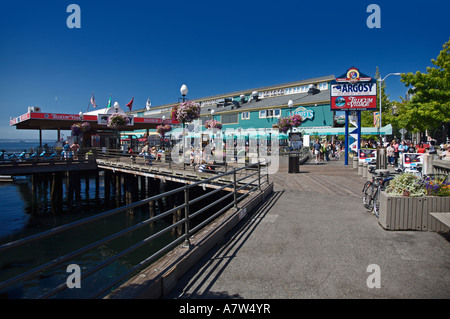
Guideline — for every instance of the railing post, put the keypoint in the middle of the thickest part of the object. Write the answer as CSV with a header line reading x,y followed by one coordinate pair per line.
x,y
187,242
235,189
259,175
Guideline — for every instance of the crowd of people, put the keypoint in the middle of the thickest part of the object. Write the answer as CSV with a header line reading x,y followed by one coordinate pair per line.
x,y
323,151
326,151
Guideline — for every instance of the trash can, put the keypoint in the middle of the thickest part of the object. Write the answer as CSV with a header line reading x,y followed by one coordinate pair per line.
x,y
294,165
381,158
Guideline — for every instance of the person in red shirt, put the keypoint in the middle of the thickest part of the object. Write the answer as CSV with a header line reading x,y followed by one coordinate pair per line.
x,y
395,145
420,148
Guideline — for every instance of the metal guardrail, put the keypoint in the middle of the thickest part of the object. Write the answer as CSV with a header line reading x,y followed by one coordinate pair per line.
x,y
248,183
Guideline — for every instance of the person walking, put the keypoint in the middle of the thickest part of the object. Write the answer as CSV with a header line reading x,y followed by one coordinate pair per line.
x,y
75,148
316,149
66,150
395,145
390,154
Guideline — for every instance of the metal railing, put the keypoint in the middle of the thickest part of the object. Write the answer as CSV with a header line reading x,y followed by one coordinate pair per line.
x,y
245,180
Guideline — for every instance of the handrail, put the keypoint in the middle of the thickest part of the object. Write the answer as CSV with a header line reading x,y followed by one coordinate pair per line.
x,y
237,185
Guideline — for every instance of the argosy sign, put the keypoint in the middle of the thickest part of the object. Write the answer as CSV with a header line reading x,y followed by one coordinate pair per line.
x,y
353,91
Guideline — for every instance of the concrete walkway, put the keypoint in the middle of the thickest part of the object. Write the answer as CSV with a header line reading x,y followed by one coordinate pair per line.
x,y
313,239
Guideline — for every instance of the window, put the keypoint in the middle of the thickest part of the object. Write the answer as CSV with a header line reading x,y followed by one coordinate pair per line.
x,y
270,113
323,86
230,118
245,115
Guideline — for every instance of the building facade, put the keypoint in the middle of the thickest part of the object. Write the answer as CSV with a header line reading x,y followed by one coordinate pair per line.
x,y
262,107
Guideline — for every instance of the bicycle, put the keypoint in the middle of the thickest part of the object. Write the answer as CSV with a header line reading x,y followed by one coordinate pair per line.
x,y
372,189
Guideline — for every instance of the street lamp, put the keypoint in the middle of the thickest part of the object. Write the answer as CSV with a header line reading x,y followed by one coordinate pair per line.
x,y
81,115
212,114
290,104
184,91
116,106
380,80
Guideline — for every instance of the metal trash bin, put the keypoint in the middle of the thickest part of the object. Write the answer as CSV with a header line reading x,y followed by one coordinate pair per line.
x,y
294,164
381,158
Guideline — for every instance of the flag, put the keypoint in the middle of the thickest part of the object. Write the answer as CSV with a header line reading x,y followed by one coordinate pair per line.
x,y
93,101
109,102
376,119
130,104
148,104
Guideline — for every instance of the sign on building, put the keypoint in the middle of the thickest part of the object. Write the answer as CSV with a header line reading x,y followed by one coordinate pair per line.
x,y
353,91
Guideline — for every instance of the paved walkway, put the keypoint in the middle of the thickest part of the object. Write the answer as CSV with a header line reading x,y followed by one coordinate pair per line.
x,y
313,239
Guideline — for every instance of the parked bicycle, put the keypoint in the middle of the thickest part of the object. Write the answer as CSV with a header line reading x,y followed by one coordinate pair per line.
x,y
372,189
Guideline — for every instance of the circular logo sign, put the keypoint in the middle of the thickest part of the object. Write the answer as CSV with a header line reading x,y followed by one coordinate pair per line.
x,y
340,101
353,75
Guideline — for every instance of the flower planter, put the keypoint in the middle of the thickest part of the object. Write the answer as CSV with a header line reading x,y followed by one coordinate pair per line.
x,y
412,213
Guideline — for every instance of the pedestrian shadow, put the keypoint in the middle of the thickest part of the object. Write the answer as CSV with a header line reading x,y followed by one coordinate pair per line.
x,y
198,281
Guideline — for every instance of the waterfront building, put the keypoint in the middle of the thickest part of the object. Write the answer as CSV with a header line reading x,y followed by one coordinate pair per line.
x,y
262,107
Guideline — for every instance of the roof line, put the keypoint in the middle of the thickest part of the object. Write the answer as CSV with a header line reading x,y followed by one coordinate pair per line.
x,y
272,87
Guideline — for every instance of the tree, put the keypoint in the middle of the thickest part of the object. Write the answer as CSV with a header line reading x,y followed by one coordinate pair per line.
x,y
429,107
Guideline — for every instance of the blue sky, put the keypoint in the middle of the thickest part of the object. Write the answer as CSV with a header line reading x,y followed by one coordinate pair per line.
x,y
150,48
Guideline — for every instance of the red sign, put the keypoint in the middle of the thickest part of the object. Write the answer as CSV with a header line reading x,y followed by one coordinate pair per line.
x,y
353,103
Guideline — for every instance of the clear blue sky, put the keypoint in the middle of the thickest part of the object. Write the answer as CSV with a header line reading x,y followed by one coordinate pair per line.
x,y
150,48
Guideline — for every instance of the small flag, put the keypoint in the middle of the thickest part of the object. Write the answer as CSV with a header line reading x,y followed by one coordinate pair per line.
x,y
130,104
109,102
376,119
93,101
148,104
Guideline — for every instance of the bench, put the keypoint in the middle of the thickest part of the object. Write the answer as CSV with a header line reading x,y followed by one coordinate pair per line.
x,y
444,219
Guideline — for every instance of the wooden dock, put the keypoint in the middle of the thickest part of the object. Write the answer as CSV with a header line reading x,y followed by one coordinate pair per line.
x,y
46,166
331,178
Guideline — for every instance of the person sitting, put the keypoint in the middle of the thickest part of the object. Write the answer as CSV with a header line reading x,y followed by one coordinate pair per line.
x,y
132,157
446,154
153,154
159,154
145,153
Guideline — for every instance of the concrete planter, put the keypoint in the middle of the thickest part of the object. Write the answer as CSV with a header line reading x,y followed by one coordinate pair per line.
x,y
412,213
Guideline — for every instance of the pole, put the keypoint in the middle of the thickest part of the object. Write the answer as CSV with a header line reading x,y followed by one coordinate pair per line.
x,y
346,137
379,123
358,146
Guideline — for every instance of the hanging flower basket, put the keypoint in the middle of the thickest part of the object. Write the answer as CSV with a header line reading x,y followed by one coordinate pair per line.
x,y
212,124
173,113
284,124
163,129
296,120
76,129
117,121
188,111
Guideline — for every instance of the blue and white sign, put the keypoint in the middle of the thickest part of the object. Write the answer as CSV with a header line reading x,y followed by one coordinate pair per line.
x,y
353,89
304,113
